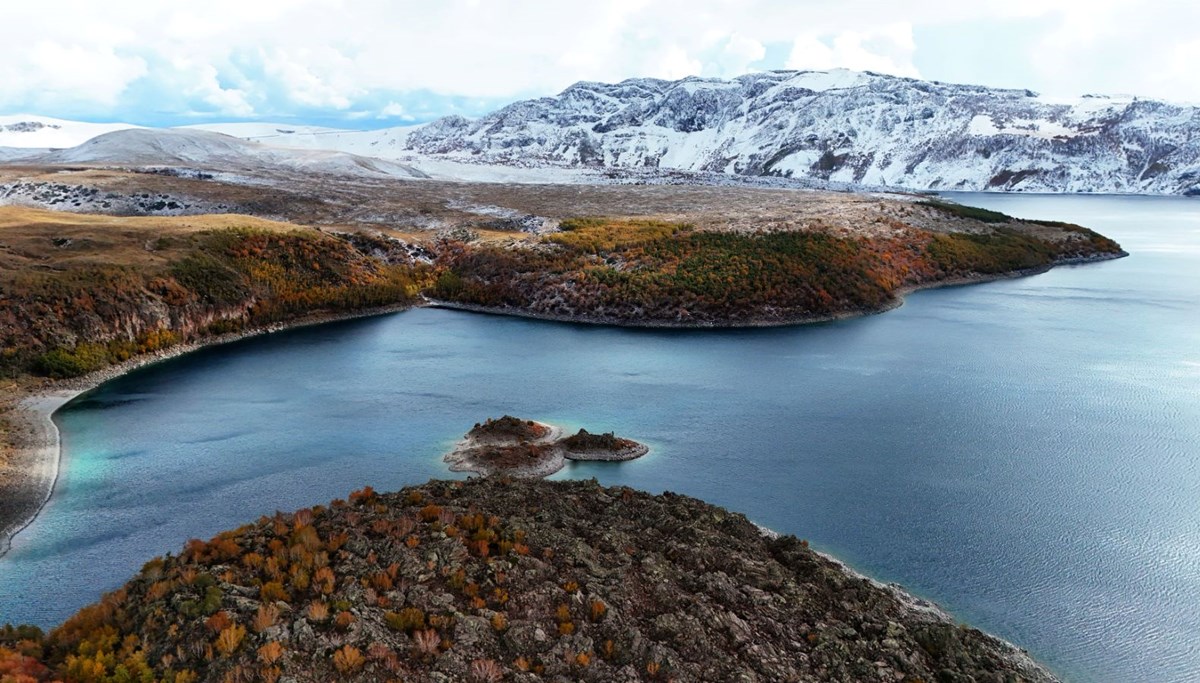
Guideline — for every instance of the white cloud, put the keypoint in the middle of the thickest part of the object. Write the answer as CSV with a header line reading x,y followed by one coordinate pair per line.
x,y
737,54
887,49
246,58
200,80
673,62
315,77
1147,49
395,110
74,72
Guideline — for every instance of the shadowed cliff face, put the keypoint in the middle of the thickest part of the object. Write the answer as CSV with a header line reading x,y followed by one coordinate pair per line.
x,y
491,580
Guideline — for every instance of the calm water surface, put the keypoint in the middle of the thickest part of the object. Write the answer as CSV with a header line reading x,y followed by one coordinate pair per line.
x,y
1023,452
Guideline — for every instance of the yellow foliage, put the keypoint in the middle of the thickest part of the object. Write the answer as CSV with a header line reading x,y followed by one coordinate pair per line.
x,y
230,639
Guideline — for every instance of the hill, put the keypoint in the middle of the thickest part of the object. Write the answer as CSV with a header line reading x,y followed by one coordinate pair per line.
x,y
215,152
490,580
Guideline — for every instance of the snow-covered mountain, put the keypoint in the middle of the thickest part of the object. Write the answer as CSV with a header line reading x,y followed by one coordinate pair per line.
x,y
25,130
845,126
828,128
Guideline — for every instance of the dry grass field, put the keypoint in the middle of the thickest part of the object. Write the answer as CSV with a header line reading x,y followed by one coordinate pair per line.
x,y
56,241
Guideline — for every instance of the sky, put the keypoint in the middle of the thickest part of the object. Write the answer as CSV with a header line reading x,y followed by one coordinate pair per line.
x,y
376,63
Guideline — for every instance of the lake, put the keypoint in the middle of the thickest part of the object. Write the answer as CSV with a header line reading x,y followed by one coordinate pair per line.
x,y
1026,452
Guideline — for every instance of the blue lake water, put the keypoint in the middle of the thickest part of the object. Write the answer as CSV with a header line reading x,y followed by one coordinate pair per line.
x,y
1024,452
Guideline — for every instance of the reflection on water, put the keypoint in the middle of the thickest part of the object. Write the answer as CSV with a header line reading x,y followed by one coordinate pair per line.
x,y
1023,452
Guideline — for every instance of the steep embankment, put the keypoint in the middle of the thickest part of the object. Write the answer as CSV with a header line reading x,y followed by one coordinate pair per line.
x,y
82,292
491,580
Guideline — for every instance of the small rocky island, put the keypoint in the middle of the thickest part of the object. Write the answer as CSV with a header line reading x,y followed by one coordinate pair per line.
x,y
528,449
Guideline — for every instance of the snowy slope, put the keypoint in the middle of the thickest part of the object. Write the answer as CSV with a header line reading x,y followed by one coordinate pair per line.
x,y
16,154
390,144
387,143
842,126
23,130
214,151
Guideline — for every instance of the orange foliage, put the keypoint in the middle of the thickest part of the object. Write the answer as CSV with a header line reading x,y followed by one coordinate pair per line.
x,y
270,653
348,659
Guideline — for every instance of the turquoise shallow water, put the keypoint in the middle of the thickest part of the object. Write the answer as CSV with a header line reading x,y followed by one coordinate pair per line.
x,y
1023,452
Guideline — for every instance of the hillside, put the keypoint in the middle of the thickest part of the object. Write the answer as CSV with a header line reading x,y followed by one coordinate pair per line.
x,y
665,273
81,291
210,151
860,128
490,580
116,288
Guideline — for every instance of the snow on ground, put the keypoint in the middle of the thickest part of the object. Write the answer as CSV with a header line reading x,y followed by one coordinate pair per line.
x,y
215,151
833,79
12,154
983,124
447,169
385,143
29,131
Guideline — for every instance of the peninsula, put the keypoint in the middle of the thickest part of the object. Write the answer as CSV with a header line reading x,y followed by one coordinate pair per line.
x,y
496,579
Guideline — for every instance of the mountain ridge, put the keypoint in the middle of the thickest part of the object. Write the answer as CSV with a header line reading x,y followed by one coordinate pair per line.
x,y
834,128
855,127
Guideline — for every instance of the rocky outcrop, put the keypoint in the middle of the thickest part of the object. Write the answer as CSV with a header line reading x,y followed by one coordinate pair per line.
x,y
527,449
490,580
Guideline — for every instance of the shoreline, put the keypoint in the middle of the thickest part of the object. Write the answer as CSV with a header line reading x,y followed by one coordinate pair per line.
x,y
33,412
36,461
922,608
896,302
36,443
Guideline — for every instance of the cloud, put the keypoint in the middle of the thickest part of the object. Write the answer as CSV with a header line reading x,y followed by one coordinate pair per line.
x,y
737,55
334,59
395,110
887,49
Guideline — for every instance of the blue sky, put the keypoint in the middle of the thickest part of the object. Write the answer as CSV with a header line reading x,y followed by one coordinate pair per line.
x,y
374,63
